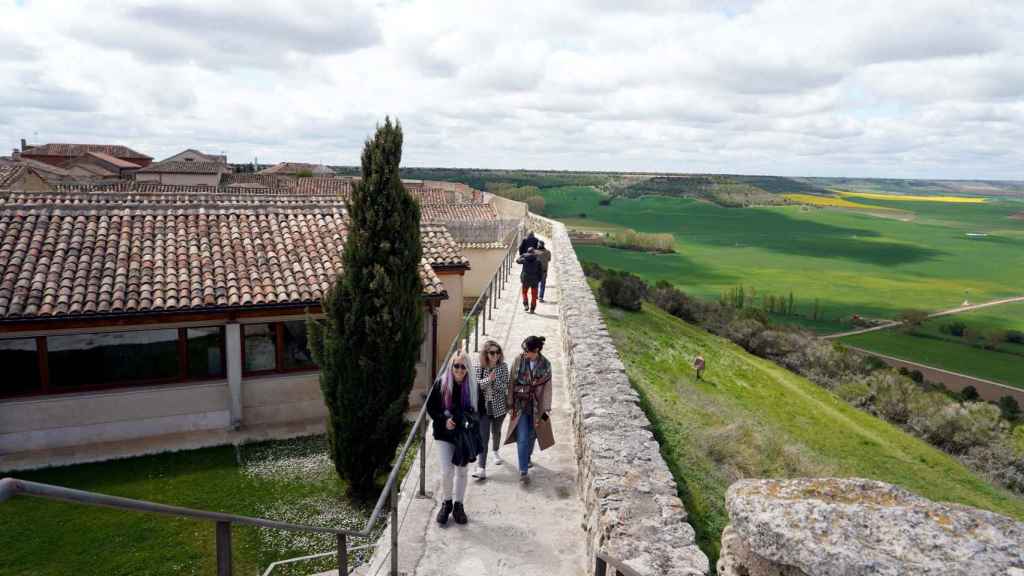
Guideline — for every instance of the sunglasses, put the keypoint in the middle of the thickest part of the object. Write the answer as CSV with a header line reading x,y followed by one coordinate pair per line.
x,y
459,366
494,352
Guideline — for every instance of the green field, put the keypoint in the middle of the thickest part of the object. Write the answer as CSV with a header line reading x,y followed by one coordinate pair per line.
x,y
752,418
852,262
291,481
929,345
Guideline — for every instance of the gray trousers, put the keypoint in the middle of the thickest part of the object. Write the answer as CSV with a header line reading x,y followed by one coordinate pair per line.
x,y
489,428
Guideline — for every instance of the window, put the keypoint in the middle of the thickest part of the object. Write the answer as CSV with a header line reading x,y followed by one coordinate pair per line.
x,y
83,360
260,347
19,359
296,349
205,352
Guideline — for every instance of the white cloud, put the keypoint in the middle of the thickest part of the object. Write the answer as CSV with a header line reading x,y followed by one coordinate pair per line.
x,y
927,88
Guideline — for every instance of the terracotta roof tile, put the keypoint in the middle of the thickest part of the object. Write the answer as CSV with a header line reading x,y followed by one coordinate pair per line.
x,y
295,168
113,160
60,259
440,249
10,174
72,150
465,212
185,167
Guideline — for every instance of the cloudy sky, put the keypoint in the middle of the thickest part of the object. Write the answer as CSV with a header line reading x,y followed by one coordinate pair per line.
x,y
861,88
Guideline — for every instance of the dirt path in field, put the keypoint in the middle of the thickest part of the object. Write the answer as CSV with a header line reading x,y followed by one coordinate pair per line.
x,y
948,312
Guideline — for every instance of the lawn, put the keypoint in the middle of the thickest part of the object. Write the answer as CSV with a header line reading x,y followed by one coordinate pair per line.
x,y
929,345
752,418
290,480
851,262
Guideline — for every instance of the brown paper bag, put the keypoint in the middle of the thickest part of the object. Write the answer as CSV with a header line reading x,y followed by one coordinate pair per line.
x,y
545,435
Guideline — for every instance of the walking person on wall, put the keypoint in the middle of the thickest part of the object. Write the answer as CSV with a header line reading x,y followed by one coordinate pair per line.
x,y
698,365
452,408
544,255
529,399
530,241
530,278
492,377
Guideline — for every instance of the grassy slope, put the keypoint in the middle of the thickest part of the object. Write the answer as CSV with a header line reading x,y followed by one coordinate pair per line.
x,y
1006,364
854,263
752,418
291,481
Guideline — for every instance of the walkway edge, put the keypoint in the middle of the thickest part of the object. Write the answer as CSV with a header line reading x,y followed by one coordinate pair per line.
x,y
632,508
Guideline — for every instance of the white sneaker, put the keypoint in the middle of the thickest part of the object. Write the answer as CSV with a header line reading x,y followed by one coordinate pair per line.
x,y
497,458
481,473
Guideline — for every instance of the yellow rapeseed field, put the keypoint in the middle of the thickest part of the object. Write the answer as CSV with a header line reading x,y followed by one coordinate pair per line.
x,y
911,198
831,201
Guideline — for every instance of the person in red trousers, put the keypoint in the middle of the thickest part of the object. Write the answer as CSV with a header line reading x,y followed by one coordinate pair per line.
x,y
530,278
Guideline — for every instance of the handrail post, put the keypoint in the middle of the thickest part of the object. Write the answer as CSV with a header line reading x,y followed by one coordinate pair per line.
x,y
423,459
342,556
223,549
483,312
394,528
476,333
601,569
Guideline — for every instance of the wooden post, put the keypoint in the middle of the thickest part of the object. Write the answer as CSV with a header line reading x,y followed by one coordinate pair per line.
x,y
223,549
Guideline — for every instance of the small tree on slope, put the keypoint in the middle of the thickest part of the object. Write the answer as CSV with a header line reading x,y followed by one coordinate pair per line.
x,y
367,344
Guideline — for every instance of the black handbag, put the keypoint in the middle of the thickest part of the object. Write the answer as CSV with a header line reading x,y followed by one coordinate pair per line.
x,y
467,440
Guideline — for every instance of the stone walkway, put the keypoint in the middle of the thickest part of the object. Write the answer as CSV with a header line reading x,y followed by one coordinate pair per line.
x,y
513,528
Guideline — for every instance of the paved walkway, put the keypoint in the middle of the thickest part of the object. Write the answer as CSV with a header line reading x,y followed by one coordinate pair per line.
x,y
513,528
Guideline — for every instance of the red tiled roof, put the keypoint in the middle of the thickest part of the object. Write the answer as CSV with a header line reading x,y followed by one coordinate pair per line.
x,y
67,261
72,150
324,185
10,173
295,168
440,249
465,212
184,167
268,180
113,160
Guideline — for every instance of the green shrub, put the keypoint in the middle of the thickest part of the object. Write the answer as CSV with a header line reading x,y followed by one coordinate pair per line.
x,y
536,204
625,291
956,328
1009,407
957,428
969,394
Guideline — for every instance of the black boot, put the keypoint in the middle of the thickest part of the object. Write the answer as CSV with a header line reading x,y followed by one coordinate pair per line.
x,y
526,306
459,514
446,509
532,308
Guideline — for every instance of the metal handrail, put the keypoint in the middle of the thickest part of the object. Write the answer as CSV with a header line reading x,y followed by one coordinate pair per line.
x,y
10,487
604,561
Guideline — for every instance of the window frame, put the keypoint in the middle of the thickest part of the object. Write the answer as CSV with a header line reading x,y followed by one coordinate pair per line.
x,y
47,389
277,328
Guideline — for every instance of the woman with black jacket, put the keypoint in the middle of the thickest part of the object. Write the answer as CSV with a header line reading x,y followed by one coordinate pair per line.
x,y
452,405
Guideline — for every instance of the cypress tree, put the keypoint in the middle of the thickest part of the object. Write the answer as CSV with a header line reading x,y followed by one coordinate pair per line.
x,y
367,344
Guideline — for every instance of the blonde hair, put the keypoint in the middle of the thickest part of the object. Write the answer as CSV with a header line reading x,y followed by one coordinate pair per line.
x,y
469,385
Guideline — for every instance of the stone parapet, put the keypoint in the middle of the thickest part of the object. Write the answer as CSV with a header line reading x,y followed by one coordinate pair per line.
x,y
631,507
853,527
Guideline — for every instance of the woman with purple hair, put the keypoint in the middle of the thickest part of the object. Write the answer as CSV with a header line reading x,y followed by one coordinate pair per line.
x,y
452,405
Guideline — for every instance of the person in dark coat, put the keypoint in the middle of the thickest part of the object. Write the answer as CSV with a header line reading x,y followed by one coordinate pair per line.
x,y
544,255
530,241
451,399
530,278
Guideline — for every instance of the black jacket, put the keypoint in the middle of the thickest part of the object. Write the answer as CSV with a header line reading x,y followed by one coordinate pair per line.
x,y
532,271
435,409
527,243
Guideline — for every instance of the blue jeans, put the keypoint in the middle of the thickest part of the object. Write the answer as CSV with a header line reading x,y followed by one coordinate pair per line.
x,y
525,437
543,284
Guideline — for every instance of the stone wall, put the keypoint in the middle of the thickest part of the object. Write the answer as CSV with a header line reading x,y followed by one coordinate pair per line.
x,y
630,499
852,526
